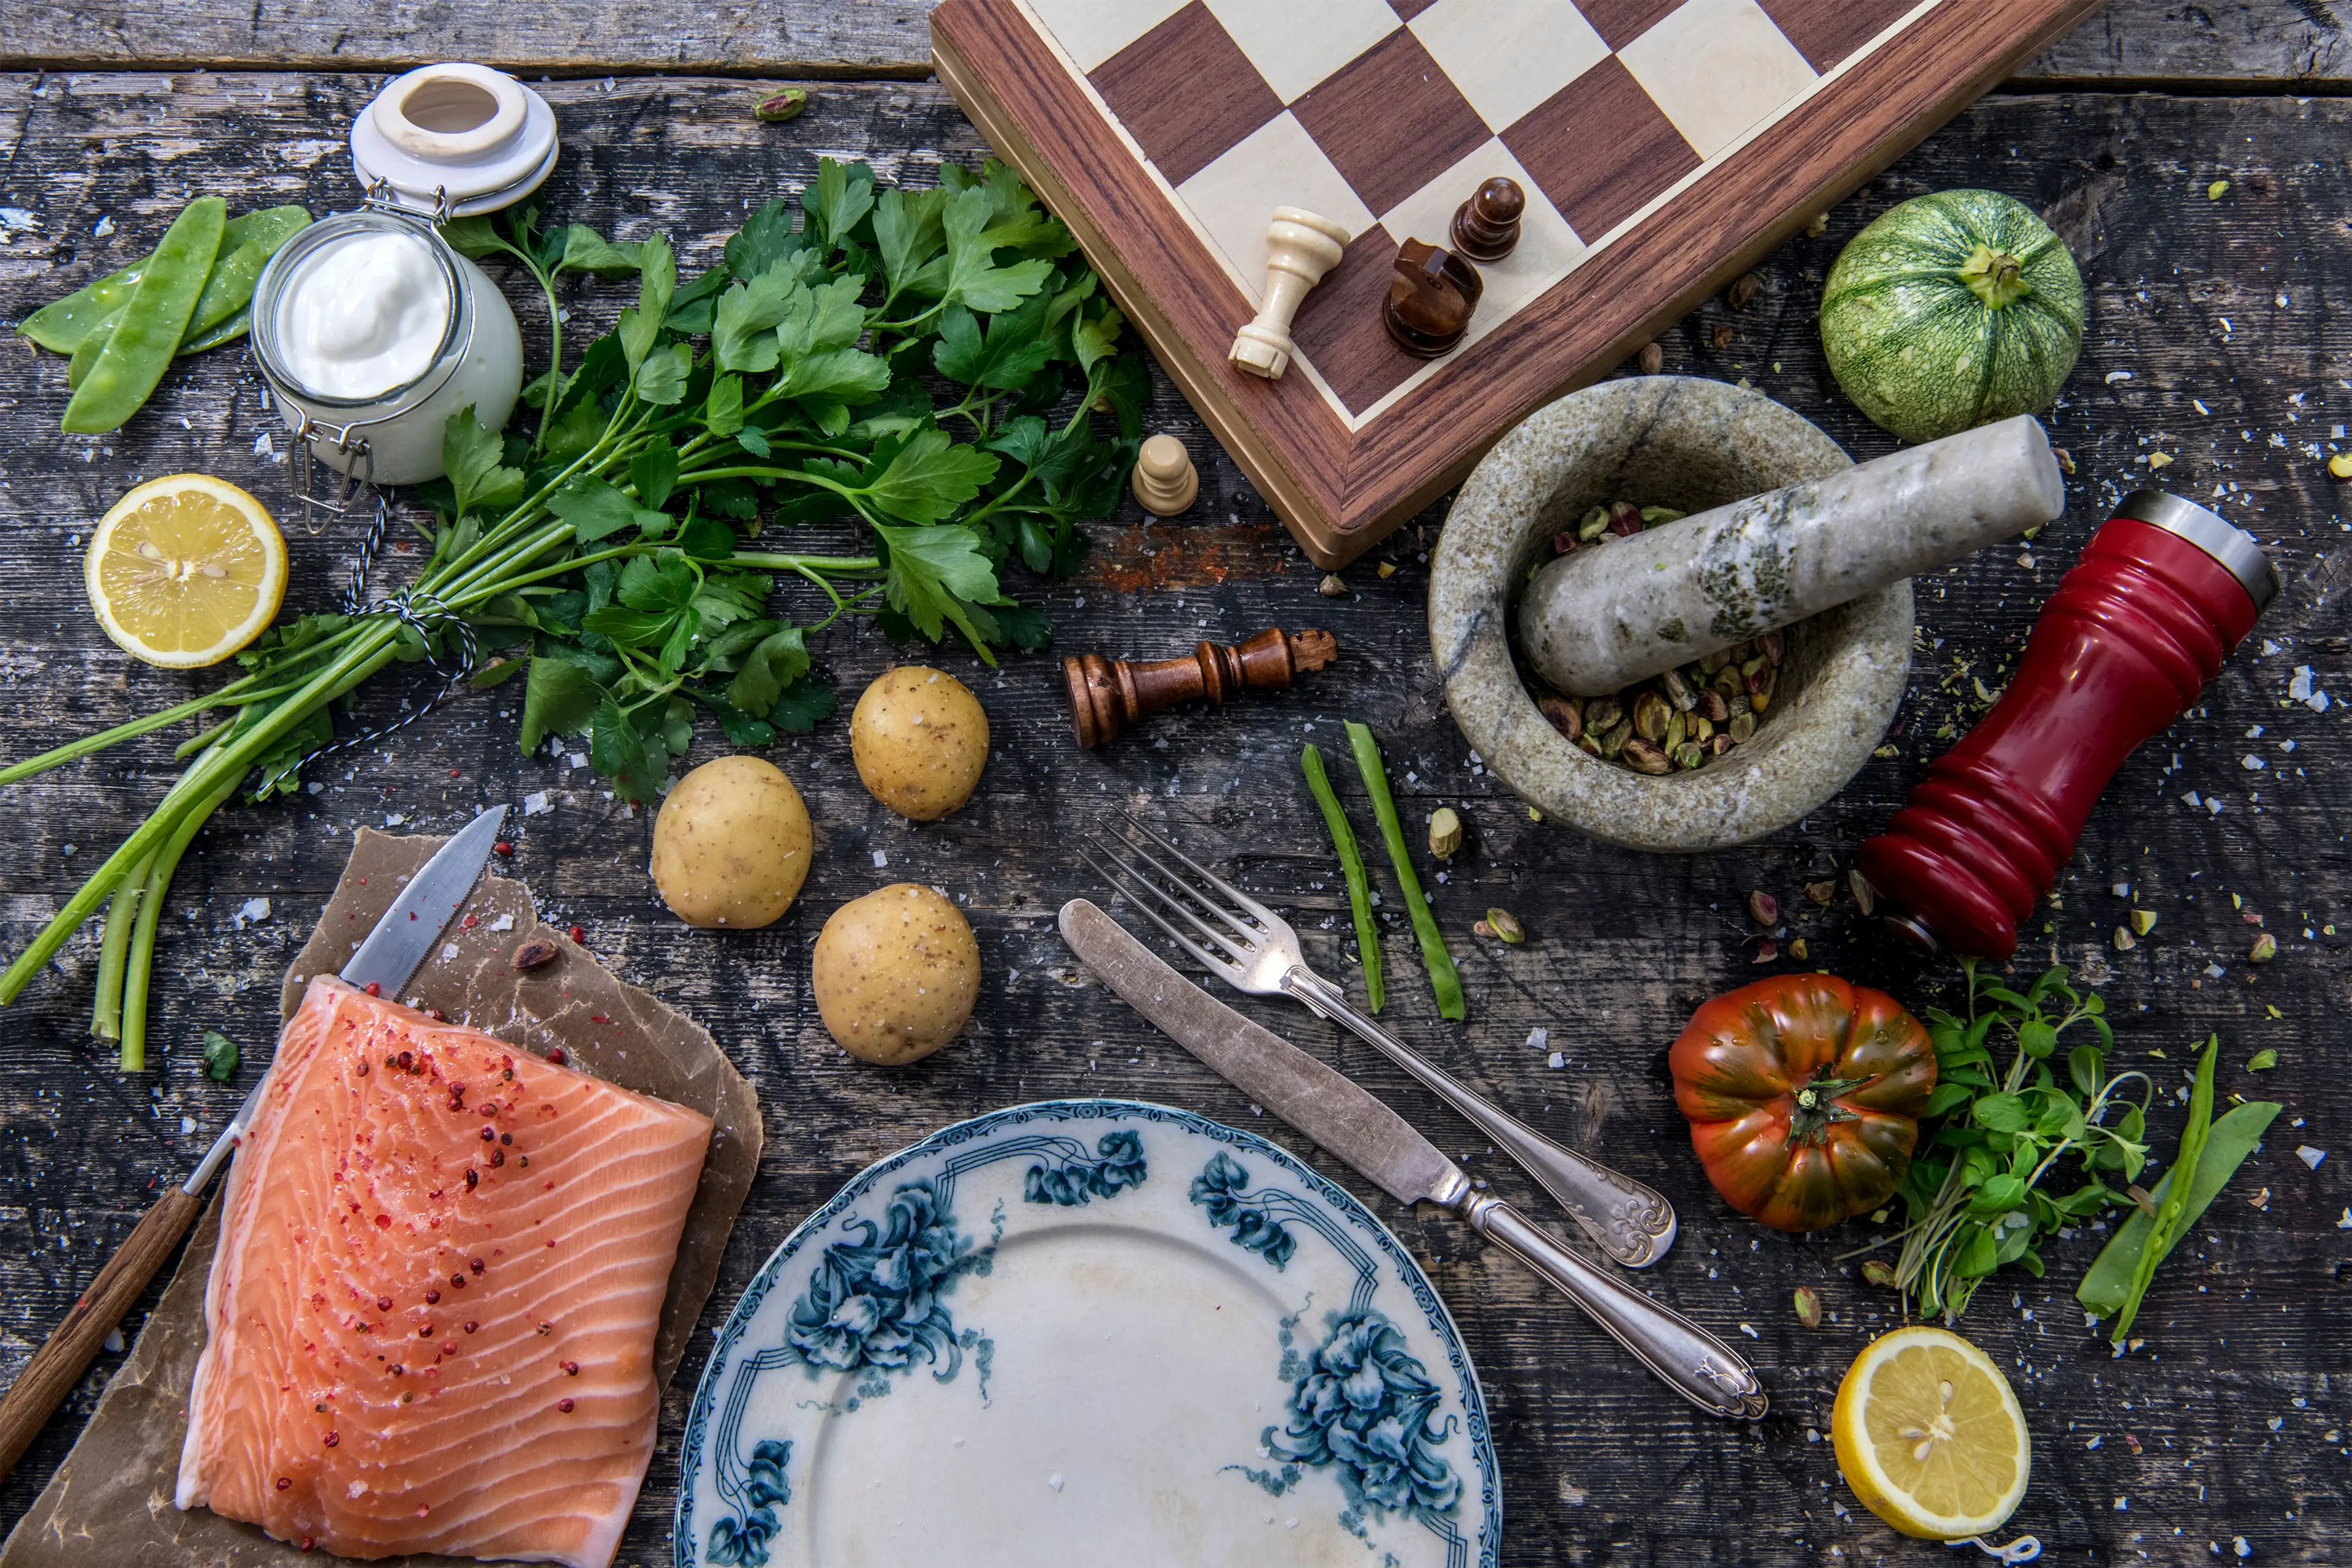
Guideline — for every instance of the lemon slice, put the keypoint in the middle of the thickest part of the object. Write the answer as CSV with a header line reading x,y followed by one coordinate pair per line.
x,y
1929,1436
186,570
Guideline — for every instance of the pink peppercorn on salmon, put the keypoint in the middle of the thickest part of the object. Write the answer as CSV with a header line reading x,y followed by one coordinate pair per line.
x,y
431,1316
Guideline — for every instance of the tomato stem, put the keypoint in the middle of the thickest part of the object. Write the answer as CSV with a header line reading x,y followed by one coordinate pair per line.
x,y
1817,1108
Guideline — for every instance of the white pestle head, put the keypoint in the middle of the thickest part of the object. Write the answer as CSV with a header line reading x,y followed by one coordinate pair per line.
x,y
1601,618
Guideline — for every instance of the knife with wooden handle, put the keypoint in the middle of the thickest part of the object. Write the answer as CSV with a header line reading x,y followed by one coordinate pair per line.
x,y
1349,1123
389,955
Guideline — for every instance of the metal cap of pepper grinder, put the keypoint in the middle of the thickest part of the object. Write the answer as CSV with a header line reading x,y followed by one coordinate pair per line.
x,y
2232,546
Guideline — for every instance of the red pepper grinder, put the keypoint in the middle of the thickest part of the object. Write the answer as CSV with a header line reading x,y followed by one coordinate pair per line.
x,y
2161,597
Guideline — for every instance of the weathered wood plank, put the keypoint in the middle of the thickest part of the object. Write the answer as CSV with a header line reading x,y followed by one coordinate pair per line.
x,y
2143,42
2226,318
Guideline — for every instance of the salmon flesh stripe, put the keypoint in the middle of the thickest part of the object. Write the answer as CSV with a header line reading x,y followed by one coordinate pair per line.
x,y
430,1322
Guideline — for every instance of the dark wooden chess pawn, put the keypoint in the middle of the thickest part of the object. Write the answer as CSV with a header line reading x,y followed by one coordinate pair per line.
x,y
1486,227
1107,693
1430,299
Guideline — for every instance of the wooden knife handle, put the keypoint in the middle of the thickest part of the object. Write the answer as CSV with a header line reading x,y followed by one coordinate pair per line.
x,y
59,1364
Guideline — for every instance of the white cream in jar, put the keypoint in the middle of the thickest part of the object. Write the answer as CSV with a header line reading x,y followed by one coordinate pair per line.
x,y
371,331
364,315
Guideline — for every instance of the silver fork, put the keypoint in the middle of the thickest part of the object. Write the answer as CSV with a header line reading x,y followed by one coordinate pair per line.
x,y
1254,949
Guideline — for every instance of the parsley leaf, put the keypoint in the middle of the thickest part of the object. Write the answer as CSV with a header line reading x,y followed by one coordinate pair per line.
x,y
559,699
929,477
940,574
471,454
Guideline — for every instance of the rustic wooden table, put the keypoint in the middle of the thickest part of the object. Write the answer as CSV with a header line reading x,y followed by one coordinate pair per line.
x,y
2217,342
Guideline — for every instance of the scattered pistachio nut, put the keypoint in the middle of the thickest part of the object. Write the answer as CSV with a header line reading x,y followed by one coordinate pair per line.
x,y
1766,950
1822,891
1653,359
775,108
1444,832
2066,459
2124,940
1743,291
1865,896
1504,926
2142,922
1643,757
1721,336
1763,908
1877,1271
2265,948
2340,466
1799,951
1387,570
535,952
1809,1306
1333,588
1818,227
1565,715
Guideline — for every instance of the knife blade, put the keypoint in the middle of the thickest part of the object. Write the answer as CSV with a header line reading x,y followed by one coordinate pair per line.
x,y
395,949
1345,1120
389,955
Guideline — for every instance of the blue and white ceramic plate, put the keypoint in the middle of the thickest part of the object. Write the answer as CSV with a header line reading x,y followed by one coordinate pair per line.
x,y
1090,1332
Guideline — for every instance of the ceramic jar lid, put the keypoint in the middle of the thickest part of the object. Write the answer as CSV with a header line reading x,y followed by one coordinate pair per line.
x,y
466,134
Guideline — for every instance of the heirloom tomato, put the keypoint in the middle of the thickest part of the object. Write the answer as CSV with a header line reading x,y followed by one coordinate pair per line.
x,y
1804,1095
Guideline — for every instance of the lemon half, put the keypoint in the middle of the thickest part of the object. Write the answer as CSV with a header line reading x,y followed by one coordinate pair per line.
x,y
186,570
1930,1437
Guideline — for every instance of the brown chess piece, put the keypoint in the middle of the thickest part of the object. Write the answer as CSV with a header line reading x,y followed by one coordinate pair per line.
x,y
1486,227
1430,299
1106,694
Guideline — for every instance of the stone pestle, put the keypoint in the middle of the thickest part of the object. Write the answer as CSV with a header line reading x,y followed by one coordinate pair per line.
x,y
1600,618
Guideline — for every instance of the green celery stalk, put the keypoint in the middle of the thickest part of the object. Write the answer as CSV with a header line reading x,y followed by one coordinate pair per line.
x,y
1351,862
1443,977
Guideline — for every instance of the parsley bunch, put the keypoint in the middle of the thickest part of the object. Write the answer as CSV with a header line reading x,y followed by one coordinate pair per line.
x,y
927,362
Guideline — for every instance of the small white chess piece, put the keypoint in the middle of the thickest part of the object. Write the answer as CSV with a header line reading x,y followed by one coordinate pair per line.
x,y
1300,248
1165,482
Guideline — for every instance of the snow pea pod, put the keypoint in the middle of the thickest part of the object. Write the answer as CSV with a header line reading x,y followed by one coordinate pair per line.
x,y
2106,1287
245,247
147,334
61,326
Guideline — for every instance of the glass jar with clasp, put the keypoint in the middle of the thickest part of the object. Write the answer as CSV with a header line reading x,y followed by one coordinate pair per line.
x,y
369,327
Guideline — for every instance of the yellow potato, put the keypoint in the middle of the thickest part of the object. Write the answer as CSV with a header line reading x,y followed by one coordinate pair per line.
x,y
732,844
919,739
896,973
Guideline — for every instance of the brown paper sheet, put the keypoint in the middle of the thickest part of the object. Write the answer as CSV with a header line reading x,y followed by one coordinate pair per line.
x,y
110,1504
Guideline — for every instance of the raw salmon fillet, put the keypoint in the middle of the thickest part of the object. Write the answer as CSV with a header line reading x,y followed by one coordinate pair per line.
x,y
431,1316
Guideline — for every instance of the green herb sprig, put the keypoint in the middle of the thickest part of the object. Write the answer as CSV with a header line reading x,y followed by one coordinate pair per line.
x,y
1444,979
1351,867
927,362
1975,1193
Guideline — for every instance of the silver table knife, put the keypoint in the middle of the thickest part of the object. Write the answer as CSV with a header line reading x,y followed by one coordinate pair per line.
x,y
390,954
1349,1123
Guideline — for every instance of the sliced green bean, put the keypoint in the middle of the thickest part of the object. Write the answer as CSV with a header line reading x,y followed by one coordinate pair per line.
x,y
2106,1287
1351,863
2171,1210
1443,977
148,332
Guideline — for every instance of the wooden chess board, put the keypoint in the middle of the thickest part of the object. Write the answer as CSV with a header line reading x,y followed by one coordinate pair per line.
x,y
1664,145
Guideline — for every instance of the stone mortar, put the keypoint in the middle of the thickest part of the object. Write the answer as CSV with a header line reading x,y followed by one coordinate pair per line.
x,y
1656,441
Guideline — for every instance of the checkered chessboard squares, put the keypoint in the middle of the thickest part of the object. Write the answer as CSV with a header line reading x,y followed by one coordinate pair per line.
x,y
1372,112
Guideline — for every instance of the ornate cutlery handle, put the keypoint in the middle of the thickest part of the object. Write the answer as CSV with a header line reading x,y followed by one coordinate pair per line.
x,y
1699,1367
1629,1221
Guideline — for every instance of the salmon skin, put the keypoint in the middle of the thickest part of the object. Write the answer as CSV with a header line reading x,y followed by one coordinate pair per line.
x,y
430,1322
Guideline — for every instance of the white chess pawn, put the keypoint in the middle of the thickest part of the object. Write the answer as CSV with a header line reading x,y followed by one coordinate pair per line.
x,y
1165,480
1300,248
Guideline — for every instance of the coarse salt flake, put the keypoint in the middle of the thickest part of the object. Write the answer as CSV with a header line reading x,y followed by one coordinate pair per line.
x,y
881,859
1539,1038
2309,1155
537,803
252,911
